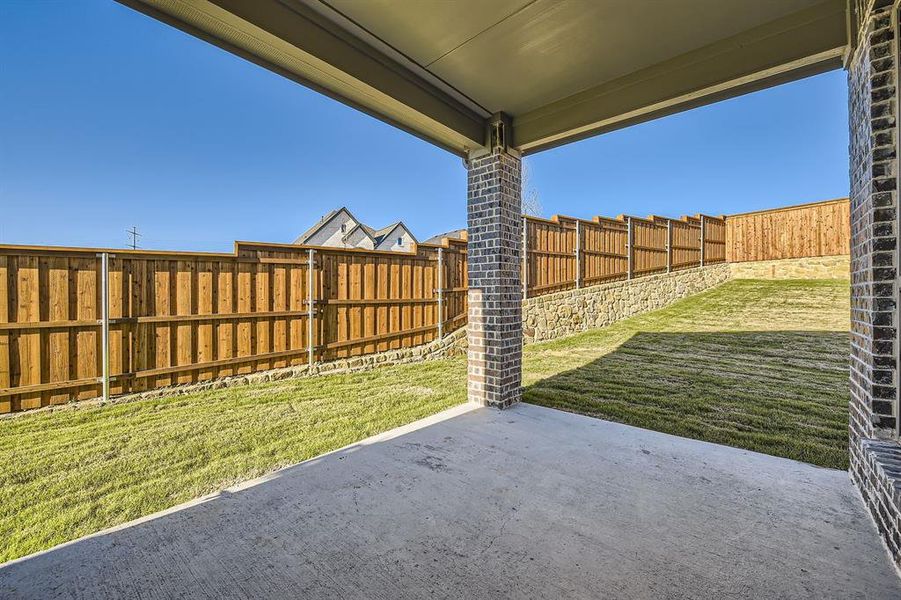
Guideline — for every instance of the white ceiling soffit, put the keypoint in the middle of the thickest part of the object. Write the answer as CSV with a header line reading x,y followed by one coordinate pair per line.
x,y
563,69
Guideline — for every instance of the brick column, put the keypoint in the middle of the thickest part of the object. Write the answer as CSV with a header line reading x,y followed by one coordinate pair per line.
x,y
874,448
494,332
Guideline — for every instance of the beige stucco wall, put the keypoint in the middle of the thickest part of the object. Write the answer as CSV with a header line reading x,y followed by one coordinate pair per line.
x,y
819,267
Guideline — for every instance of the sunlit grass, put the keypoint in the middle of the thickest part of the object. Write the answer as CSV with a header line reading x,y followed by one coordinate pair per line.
x,y
69,473
761,365
777,384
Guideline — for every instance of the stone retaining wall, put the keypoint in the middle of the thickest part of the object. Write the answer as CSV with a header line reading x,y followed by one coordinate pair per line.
x,y
818,267
564,313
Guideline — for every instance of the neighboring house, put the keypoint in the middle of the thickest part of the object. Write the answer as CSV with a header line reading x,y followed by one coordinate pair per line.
x,y
455,234
340,229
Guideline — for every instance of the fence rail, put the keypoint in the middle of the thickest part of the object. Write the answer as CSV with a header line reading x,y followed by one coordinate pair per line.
x,y
79,323
564,253
176,318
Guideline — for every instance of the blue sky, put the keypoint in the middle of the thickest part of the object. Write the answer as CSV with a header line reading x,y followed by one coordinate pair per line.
x,y
109,119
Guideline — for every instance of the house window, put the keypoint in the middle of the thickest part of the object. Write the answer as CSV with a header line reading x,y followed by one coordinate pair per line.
x,y
343,227
400,241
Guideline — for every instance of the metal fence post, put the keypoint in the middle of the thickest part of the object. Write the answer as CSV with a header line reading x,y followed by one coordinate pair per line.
x,y
629,250
669,246
525,258
104,322
703,232
578,254
311,315
440,293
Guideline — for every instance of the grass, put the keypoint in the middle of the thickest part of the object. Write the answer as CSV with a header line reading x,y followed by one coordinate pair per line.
x,y
69,473
760,365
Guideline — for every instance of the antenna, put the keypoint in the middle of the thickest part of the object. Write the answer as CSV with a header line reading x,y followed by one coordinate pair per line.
x,y
133,232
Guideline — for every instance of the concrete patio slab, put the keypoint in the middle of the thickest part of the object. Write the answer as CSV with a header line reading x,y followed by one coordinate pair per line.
x,y
478,503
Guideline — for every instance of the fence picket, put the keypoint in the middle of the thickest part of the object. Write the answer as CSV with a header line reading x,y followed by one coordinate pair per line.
x,y
816,229
175,317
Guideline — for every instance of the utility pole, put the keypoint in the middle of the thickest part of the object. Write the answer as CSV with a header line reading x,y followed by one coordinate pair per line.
x,y
133,232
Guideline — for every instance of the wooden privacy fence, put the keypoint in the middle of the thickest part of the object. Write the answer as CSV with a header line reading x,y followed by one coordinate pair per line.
x,y
173,318
79,323
564,253
806,230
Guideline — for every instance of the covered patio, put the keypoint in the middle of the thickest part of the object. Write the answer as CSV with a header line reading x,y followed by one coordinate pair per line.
x,y
493,81
477,503
531,502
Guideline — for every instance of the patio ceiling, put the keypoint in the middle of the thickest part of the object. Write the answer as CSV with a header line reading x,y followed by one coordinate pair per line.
x,y
563,70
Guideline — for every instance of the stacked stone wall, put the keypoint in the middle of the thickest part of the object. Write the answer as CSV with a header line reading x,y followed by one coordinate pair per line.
x,y
565,313
817,267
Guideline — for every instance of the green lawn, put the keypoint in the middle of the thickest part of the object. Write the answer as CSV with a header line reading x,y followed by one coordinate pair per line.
x,y
761,365
73,472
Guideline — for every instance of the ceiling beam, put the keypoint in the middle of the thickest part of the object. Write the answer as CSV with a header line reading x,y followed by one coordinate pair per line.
x,y
799,45
290,38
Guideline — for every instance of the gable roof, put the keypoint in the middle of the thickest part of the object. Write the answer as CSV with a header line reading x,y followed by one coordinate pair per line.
x,y
303,237
376,235
365,229
454,234
383,233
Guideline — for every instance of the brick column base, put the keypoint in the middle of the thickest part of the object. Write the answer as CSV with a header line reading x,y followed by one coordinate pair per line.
x,y
495,291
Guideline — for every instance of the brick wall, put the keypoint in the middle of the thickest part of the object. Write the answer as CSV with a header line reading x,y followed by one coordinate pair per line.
x,y
495,290
875,459
873,366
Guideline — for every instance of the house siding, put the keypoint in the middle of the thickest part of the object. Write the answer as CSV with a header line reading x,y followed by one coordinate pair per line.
x,y
359,239
353,234
390,241
331,235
